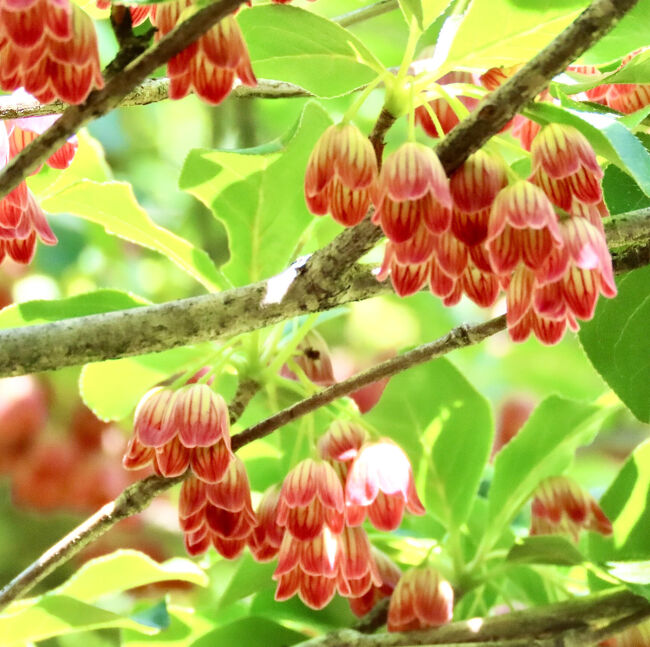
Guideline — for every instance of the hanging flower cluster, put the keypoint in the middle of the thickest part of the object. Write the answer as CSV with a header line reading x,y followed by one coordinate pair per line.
x,y
21,218
477,233
49,48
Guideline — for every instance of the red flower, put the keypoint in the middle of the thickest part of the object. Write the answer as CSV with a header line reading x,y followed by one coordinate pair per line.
x,y
380,484
420,600
342,441
220,514
412,189
561,506
407,278
183,427
522,227
340,173
311,498
474,187
210,65
49,47
316,568
389,573
564,165
265,540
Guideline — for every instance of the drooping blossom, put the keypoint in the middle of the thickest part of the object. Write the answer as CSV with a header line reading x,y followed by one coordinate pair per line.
x,y
265,540
210,65
513,413
561,506
412,190
421,599
342,441
564,166
49,48
21,218
311,498
218,514
407,278
341,170
315,569
389,573
312,355
179,428
474,187
522,227
441,107
380,485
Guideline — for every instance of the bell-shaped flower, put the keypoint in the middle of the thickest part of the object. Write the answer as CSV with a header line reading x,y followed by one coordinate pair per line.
x,y
380,484
412,189
209,66
564,166
340,173
48,47
407,278
420,600
474,186
220,514
523,227
389,574
561,506
265,540
311,498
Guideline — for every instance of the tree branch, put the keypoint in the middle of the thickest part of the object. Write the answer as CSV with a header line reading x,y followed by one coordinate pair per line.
x,y
572,623
138,496
319,285
99,102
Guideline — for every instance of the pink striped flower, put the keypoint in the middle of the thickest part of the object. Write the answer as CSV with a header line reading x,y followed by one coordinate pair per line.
x,y
389,573
341,170
265,540
210,66
561,506
420,600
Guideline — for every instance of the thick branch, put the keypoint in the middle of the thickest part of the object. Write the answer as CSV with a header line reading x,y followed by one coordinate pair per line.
x,y
139,495
567,623
99,102
320,285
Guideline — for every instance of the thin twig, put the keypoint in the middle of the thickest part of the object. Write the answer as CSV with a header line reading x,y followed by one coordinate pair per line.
x,y
365,13
321,285
99,102
139,495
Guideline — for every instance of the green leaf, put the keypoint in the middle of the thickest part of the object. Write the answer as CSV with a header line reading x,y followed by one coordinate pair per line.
x,y
609,137
185,626
113,388
617,343
438,417
250,577
256,194
113,205
412,9
506,32
627,504
126,569
294,45
252,631
56,615
550,549
631,33
30,313
635,575
544,447
621,192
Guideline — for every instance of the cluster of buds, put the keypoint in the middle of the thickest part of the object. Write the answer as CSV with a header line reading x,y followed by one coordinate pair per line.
x,y
188,428
210,65
540,239
561,506
21,218
49,48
